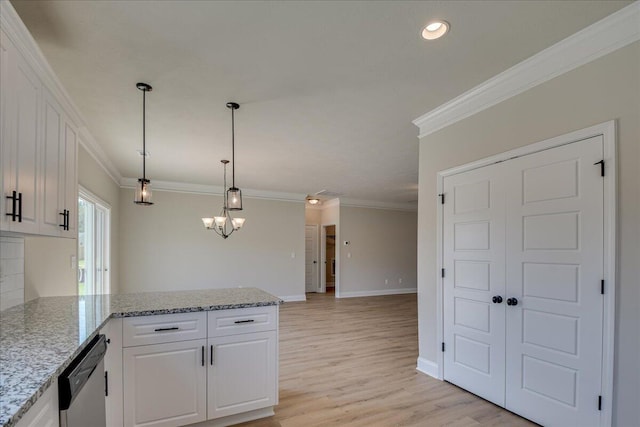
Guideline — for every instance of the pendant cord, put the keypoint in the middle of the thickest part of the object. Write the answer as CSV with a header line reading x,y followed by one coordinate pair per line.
x,y
144,136
233,150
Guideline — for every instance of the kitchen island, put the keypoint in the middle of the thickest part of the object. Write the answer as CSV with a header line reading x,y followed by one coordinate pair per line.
x,y
39,339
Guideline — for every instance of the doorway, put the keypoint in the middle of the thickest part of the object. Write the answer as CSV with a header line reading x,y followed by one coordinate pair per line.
x,y
524,247
329,258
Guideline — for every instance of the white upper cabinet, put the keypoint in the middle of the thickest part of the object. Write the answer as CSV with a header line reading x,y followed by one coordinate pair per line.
x,y
39,152
21,99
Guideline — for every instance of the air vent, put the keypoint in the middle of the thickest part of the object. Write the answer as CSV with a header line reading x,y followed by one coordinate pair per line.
x,y
329,194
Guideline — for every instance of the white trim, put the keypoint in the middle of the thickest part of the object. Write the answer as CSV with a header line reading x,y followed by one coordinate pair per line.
x,y
376,293
605,36
428,367
90,196
293,298
608,132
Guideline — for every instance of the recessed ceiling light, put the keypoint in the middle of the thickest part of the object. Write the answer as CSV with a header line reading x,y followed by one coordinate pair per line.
x,y
435,30
313,201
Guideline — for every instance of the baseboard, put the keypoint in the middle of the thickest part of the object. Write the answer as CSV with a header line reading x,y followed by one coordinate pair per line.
x,y
292,298
237,419
427,367
375,293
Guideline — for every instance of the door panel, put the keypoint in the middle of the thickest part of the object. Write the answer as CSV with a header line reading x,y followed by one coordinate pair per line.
x,y
474,266
311,258
555,258
530,228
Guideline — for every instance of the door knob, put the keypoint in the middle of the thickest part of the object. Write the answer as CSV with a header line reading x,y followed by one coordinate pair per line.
x,y
512,301
497,299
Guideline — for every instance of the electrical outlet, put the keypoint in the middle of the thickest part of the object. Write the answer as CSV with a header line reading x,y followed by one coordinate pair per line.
x,y
386,281
400,281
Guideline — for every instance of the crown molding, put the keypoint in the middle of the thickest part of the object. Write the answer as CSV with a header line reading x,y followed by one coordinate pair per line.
x,y
20,36
605,36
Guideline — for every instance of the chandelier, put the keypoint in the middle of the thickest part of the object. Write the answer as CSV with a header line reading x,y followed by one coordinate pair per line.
x,y
224,224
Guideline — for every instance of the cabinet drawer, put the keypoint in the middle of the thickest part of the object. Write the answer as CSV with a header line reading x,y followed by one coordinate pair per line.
x,y
242,320
163,328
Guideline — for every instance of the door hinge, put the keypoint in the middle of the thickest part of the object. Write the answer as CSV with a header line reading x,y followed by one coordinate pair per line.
x,y
442,272
599,403
601,163
442,347
602,287
441,195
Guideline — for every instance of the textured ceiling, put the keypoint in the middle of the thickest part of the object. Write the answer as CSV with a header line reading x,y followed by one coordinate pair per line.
x,y
327,90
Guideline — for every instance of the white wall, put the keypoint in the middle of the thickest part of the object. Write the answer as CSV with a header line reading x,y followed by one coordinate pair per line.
x,y
383,247
11,271
608,88
312,215
166,247
48,270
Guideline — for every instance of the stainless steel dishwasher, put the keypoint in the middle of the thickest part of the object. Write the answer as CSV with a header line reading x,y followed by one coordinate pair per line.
x,y
81,388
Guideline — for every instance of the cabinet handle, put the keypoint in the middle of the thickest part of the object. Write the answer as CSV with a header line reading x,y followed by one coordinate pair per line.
x,y
244,321
19,207
211,354
174,328
14,199
64,219
202,355
106,383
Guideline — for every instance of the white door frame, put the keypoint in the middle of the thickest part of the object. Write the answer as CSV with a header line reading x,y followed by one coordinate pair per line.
x,y
608,132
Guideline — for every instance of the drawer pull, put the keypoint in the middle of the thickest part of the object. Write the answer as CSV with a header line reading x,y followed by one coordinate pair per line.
x,y
175,328
244,321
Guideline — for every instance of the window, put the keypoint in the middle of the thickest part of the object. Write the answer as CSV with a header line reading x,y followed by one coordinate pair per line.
x,y
93,244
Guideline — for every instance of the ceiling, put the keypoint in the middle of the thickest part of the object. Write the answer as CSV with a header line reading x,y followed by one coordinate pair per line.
x,y
327,89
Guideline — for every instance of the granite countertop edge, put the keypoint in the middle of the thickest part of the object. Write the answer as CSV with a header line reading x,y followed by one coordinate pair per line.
x,y
28,404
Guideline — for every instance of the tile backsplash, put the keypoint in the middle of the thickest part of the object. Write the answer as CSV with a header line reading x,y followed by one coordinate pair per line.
x,y
11,271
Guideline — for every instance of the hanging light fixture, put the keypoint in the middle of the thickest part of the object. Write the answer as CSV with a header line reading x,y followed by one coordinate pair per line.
x,y
143,187
225,224
234,195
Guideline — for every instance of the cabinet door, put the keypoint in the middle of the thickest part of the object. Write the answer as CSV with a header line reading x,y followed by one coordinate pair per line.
x,y
51,168
242,373
69,178
113,372
43,413
59,180
165,384
20,141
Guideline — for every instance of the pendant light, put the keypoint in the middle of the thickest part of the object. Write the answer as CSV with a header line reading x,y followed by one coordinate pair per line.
x,y
143,187
224,224
234,195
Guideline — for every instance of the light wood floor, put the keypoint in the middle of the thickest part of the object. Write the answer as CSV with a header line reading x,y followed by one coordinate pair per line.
x,y
352,362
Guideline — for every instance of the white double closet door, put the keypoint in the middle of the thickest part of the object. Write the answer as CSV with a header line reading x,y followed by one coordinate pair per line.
x,y
527,231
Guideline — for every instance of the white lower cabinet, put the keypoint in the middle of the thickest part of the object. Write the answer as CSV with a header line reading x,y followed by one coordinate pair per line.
x,y
211,369
165,384
242,373
43,413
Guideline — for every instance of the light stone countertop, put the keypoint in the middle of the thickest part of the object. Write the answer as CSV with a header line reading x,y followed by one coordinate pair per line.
x,y
39,339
